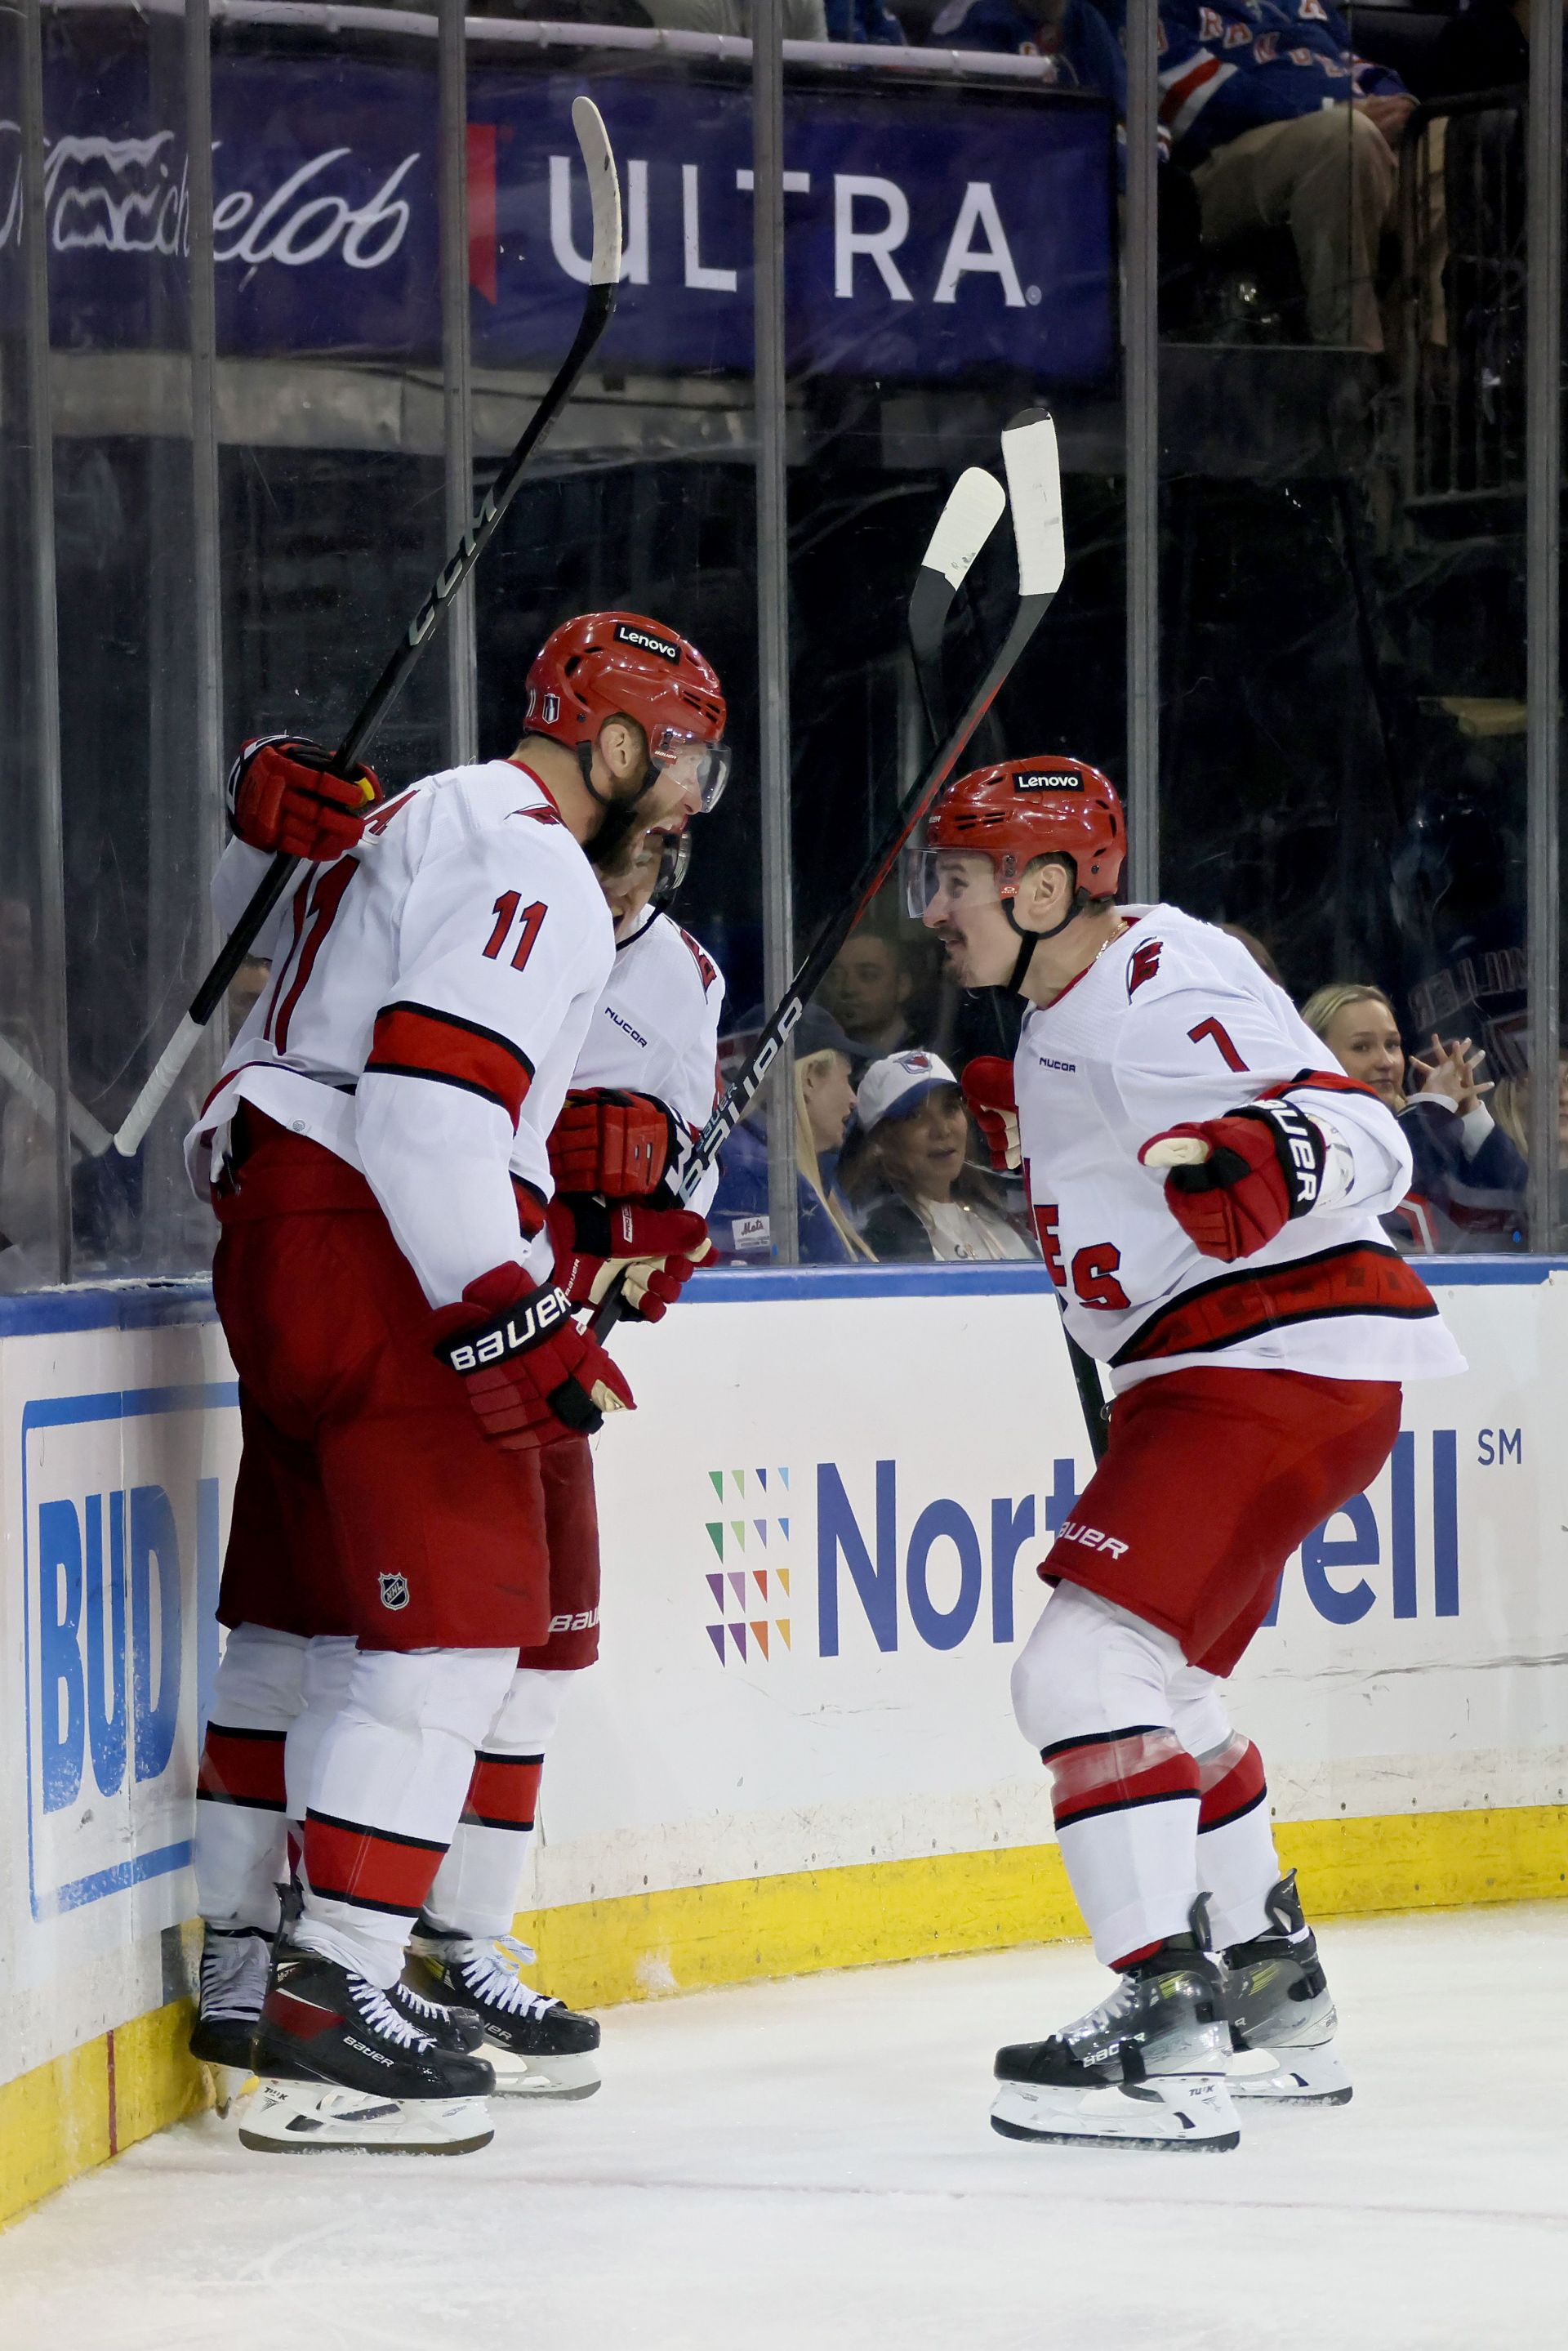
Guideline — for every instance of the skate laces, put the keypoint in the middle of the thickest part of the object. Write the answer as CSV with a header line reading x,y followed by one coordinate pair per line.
x,y
381,2016
408,1997
495,1971
233,1975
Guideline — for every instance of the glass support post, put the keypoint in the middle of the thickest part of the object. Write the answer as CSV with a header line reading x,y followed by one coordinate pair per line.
x,y
1141,402
457,405
56,1072
205,511
1544,488
772,598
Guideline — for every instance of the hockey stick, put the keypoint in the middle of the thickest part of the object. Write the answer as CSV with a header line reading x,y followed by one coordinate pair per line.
x,y
1035,494
39,1097
604,277
926,636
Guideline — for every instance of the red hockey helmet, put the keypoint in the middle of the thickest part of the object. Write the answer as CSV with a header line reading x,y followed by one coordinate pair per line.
x,y
1023,809
621,664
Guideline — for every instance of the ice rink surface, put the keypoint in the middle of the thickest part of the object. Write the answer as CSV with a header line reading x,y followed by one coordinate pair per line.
x,y
809,2164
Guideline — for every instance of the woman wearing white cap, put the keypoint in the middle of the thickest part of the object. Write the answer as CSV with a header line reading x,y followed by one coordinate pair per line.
x,y
906,1167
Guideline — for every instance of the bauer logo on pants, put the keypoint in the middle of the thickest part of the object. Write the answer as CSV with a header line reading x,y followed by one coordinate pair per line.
x,y
394,1591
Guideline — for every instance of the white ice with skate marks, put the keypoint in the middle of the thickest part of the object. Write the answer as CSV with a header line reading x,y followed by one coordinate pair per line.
x,y
809,2164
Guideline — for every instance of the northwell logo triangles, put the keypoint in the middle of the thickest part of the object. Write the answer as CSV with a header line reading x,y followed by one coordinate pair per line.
x,y
745,1593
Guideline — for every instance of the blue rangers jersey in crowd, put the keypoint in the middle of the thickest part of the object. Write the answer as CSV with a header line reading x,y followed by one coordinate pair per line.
x,y
1228,65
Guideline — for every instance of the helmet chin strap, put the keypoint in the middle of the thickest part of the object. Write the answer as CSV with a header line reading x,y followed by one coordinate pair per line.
x,y
1029,940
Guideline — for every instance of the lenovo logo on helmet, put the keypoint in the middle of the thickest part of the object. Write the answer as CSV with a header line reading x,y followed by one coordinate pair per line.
x,y
1040,781
647,642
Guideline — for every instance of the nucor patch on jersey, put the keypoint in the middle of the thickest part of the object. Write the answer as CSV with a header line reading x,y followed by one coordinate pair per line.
x,y
647,642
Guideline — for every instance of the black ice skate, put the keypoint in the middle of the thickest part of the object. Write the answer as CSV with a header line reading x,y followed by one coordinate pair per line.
x,y
231,1987
1145,2069
539,2047
341,2068
1282,2014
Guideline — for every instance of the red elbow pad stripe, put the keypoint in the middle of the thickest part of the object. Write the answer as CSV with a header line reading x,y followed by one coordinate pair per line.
x,y
411,1042
1240,1790
1158,1784
242,1767
347,1861
504,1792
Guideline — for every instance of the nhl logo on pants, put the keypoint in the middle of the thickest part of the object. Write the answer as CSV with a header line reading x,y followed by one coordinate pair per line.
x,y
394,1591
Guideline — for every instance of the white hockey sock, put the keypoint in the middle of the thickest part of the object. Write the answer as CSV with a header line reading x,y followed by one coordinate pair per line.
x,y
478,1887
389,1778
328,1663
240,1840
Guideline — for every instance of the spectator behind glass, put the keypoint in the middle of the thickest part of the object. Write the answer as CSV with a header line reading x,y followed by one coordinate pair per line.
x,y
867,991
738,1220
803,20
863,20
1078,45
906,1168
1467,1188
1283,126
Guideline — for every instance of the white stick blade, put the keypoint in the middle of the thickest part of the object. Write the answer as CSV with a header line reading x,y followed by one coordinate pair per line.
x,y
159,1087
970,515
604,190
1034,491
1177,1151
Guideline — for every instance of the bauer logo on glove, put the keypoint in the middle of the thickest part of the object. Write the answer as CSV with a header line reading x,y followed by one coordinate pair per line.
x,y
1233,1183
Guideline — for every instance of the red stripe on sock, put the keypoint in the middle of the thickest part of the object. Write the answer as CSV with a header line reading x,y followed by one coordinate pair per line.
x,y
504,1792
242,1767
344,1862
1236,1789
1156,1783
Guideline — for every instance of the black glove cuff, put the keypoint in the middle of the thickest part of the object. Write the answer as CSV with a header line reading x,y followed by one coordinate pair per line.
x,y
522,1327
1302,1153
575,1408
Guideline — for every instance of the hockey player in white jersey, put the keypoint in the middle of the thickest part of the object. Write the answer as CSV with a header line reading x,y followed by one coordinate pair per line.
x,y
642,1091
1206,1186
377,1152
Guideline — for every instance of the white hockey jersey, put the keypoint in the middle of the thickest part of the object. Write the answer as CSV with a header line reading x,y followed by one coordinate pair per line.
x,y
1174,1022
655,1030
429,995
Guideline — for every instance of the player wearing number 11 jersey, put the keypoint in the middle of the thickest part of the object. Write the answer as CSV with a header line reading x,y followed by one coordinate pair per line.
x,y
1206,1183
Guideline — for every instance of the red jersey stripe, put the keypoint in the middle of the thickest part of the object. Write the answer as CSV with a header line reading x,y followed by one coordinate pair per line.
x,y
413,1041
1359,1278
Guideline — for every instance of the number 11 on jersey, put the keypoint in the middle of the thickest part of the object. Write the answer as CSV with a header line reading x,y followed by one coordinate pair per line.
x,y
505,916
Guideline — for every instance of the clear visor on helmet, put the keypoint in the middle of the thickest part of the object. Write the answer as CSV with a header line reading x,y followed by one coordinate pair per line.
x,y
701,768
675,857
946,880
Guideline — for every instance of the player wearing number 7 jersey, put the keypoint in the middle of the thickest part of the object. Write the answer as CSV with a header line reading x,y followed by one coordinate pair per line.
x,y
1206,1183
378,1154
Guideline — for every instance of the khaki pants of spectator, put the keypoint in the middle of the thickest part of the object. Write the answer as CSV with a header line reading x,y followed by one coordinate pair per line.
x,y
1329,179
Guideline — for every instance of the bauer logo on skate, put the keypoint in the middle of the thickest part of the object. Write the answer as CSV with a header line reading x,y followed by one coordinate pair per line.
x,y
931,233
894,1562
121,1572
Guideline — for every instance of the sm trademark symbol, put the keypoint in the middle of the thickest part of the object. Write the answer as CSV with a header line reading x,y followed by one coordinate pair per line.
x,y
1494,1447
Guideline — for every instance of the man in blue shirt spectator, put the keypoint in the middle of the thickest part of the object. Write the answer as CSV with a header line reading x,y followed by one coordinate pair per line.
x,y
1281,125
1078,45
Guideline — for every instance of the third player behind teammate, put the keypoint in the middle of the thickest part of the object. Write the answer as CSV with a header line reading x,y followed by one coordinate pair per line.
x,y
1207,1193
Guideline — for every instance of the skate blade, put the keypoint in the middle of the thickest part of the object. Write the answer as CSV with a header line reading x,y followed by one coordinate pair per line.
x,y
313,2117
1184,2110
570,2075
1290,2077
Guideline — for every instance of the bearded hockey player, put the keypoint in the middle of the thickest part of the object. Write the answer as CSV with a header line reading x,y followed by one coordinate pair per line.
x,y
378,1154
642,1091
1205,1193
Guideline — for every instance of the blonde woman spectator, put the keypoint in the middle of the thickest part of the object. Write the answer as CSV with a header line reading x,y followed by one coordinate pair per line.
x,y
738,1220
906,1168
1467,1185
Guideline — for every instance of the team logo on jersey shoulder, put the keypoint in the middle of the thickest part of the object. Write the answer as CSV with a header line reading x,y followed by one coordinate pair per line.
x,y
394,1591
703,959
645,642
1144,964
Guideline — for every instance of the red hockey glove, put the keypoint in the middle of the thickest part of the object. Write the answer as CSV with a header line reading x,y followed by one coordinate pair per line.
x,y
658,1250
281,796
989,1089
532,1376
613,1143
1244,1177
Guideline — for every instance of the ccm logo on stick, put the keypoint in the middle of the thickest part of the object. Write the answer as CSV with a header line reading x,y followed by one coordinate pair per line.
x,y
1091,1538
